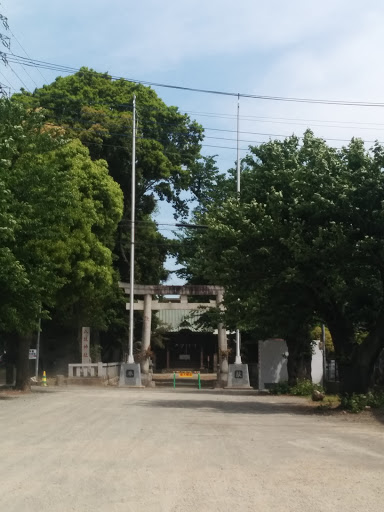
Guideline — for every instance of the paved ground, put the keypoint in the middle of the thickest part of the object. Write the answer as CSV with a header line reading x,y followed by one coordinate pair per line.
x,y
97,449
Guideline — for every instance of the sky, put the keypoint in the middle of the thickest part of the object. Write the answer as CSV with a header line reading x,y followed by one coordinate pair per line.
x,y
329,50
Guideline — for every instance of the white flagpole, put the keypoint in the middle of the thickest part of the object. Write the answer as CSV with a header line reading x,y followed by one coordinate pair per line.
x,y
132,266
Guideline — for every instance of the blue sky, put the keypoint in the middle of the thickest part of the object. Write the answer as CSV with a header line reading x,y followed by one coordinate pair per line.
x,y
329,49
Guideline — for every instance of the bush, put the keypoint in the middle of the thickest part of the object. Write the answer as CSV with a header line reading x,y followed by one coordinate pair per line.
x,y
302,388
305,388
356,403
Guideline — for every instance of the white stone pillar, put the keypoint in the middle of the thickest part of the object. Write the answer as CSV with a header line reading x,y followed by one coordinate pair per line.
x,y
223,346
146,335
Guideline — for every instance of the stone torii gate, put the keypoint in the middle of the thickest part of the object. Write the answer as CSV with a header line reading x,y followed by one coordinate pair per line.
x,y
148,305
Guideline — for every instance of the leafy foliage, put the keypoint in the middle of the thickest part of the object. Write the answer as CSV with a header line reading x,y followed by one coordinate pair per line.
x,y
304,243
301,388
317,335
356,403
98,110
59,211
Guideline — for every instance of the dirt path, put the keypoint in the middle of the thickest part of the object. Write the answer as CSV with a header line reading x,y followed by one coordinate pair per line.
x,y
160,450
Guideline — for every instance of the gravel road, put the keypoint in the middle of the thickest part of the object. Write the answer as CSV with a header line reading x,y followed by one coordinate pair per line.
x,y
155,450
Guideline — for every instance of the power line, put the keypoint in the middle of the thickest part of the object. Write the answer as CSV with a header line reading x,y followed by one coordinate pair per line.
x,y
250,117
205,128
26,53
6,41
17,76
333,139
292,121
6,79
17,59
26,72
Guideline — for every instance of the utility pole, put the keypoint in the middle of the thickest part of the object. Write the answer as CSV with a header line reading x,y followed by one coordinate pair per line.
x,y
133,211
238,356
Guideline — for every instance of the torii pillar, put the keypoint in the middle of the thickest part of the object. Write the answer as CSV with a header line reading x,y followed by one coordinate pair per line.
x,y
222,375
146,340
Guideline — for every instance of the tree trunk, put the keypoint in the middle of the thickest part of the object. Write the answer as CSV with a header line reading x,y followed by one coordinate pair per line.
x,y
354,377
23,382
10,362
299,359
356,361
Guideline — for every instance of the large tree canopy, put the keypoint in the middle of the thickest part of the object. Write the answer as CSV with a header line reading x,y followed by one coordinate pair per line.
x,y
307,233
98,110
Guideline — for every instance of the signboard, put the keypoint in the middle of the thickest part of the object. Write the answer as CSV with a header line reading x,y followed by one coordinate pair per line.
x,y
85,345
185,357
32,353
185,374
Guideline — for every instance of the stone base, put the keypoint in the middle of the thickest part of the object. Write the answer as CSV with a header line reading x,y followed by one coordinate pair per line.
x,y
146,380
130,375
60,380
238,376
222,380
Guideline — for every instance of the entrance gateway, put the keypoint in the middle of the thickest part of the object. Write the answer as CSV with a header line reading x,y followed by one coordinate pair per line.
x,y
238,376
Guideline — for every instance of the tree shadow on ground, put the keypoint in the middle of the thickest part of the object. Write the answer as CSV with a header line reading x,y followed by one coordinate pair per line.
x,y
235,406
263,405
378,414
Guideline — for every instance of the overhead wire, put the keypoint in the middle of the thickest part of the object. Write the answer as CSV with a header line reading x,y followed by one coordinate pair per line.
x,y
26,53
225,130
7,80
67,69
151,108
25,71
5,55
145,107
250,117
20,80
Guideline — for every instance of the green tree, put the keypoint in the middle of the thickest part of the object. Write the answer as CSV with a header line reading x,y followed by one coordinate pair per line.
x,y
310,220
98,110
59,210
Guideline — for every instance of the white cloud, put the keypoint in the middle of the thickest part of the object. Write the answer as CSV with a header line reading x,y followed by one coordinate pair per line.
x,y
153,34
329,49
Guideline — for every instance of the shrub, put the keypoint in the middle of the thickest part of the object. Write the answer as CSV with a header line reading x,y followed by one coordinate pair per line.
x,y
305,388
302,388
356,403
